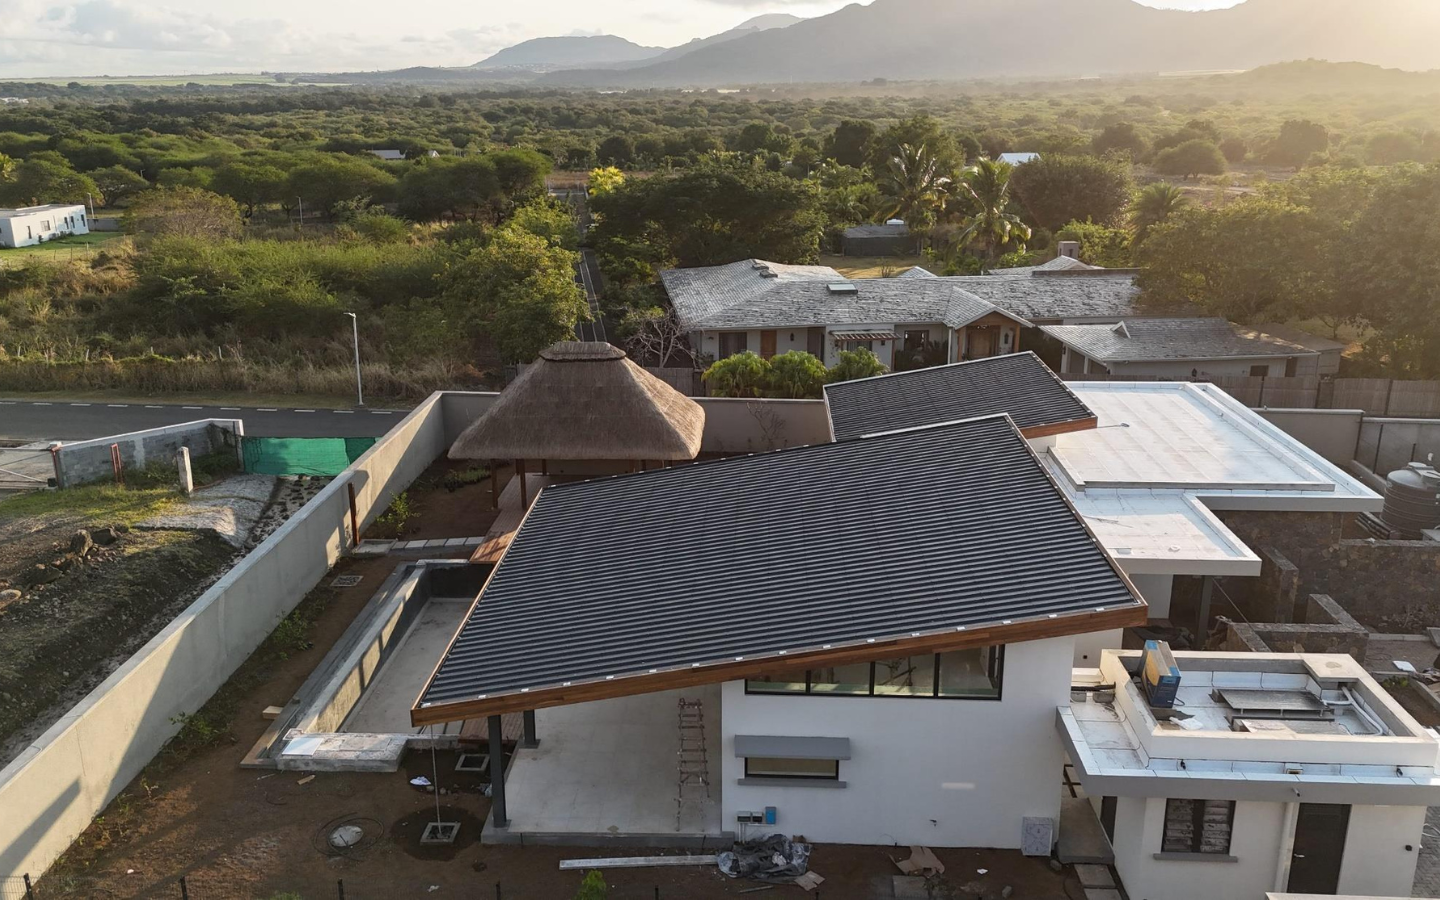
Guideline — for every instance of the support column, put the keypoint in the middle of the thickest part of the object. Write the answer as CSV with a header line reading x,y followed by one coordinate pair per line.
x,y
494,484
524,494
529,741
497,775
1287,847
1207,588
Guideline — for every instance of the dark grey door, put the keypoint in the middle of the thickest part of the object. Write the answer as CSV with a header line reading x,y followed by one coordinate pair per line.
x,y
1319,848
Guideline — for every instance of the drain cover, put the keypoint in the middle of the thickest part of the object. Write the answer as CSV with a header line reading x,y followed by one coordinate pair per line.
x,y
440,833
346,836
472,762
344,581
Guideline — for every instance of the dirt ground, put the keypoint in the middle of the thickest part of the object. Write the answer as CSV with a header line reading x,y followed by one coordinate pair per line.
x,y
58,641
244,834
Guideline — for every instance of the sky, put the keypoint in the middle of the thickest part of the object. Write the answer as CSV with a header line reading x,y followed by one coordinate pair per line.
x,y
57,38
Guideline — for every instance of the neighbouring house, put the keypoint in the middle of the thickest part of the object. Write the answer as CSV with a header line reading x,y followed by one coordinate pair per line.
x,y
399,155
1269,772
1186,348
1017,159
32,225
890,239
770,308
825,675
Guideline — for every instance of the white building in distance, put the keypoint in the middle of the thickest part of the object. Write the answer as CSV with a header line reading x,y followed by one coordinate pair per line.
x,y
32,225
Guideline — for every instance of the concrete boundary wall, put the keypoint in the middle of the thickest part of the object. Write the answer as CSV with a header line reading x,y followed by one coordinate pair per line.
x,y
85,461
1332,433
54,788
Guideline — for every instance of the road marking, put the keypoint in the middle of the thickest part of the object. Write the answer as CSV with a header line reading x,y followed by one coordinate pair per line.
x,y
271,409
229,409
304,410
147,406
41,403
192,407
379,412
79,404
118,405
343,412
7,402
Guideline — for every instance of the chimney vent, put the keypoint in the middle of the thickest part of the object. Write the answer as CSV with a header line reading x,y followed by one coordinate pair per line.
x,y
1069,249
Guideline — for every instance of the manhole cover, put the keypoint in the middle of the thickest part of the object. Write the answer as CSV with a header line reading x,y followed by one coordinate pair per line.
x,y
344,581
346,836
440,833
472,762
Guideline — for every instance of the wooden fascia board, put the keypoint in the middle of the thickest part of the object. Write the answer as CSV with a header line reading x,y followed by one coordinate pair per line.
x,y
1052,428
628,685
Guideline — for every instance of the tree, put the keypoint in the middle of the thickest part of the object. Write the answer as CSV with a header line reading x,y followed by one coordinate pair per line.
x,y
1252,261
714,213
849,144
616,150
796,375
1234,150
593,887
1100,245
1393,147
762,137
183,212
656,337
250,184
920,131
913,184
1154,206
743,374
330,178
517,291
1197,157
550,220
1056,190
984,195
466,187
1298,141
37,181
1194,130
1392,272
1121,137
855,364
118,184
7,167
605,180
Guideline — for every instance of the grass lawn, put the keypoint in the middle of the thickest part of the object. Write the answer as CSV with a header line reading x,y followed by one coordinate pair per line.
x,y
248,400
106,503
166,80
871,266
73,246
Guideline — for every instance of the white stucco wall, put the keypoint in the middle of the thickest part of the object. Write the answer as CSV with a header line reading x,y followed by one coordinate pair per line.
x,y
944,773
1156,591
1375,863
43,225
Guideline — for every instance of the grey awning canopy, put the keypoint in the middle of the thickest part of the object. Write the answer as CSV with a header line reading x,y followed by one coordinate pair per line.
x,y
780,747
863,335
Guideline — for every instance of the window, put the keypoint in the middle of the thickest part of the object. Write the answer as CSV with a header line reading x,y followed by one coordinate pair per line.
x,y
763,767
733,342
915,340
973,674
1198,826
1259,371
860,345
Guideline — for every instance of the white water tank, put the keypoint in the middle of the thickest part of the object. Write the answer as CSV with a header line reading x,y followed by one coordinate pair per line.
x,y
1412,500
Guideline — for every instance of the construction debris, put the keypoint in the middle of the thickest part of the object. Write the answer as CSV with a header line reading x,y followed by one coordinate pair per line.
x,y
775,858
637,862
306,780
921,862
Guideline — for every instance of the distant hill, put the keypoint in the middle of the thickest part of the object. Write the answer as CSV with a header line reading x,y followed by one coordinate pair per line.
x,y
966,39
547,53
748,27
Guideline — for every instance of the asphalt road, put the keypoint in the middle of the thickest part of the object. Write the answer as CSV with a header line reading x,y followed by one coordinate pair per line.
x,y
30,420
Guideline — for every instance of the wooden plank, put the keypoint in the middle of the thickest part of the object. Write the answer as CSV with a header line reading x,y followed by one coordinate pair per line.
x,y
1036,431
637,862
714,673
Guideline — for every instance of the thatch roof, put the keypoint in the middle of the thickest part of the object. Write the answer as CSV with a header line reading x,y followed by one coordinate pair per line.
x,y
585,400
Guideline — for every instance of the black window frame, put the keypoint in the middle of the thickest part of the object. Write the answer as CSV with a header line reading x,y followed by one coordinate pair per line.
x,y
1197,827
742,337
994,665
793,776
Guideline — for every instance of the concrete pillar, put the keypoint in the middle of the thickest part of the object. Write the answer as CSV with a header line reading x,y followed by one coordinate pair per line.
x,y
529,741
1287,847
187,480
1207,589
497,775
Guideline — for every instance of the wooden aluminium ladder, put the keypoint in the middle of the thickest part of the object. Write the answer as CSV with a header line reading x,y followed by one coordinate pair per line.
x,y
692,761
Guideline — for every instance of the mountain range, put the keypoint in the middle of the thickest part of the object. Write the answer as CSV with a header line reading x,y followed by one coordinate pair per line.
x,y
921,40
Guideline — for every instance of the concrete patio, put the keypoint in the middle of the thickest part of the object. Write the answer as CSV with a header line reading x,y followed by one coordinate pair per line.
x,y
609,769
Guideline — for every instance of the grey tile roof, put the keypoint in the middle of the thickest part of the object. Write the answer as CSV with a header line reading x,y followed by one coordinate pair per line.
x,y
916,272
1058,264
739,296
1019,384
637,577
1146,340
1054,297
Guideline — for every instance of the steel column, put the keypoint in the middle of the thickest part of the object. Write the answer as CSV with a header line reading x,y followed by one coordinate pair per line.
x,y
529,741
497,775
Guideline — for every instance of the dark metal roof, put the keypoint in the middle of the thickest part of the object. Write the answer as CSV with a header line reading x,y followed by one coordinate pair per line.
x,y
704,573
1018,384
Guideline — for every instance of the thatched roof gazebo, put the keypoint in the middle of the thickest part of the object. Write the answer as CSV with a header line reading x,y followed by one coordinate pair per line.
x,y
584,401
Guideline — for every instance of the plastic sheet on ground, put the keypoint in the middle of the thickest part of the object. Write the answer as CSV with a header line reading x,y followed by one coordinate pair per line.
x,y
775,858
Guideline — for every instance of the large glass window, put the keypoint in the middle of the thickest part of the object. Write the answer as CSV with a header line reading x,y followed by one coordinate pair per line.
x,y
764,767
733,342
1198,826
973,674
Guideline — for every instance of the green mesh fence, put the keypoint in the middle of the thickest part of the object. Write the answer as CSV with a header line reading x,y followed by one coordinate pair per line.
x,y
302,456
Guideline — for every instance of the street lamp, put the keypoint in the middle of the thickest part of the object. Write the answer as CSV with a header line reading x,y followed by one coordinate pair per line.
x,y
359,387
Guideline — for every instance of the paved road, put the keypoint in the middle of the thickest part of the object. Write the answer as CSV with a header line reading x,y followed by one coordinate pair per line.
x,y
29,420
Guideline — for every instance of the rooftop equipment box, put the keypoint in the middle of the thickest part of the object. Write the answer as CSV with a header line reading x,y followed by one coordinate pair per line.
x,y
1159,674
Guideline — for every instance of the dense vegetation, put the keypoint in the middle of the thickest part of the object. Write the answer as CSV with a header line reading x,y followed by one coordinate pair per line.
x,y
259,217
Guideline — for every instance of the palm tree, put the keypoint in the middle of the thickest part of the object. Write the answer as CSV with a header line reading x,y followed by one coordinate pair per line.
x,y
1152,206
913,185
985,189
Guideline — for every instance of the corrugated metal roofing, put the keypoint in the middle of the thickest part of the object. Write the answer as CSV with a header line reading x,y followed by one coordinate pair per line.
x,y
776,557
1018,384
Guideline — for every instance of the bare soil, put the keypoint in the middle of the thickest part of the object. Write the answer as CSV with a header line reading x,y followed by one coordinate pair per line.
x,y
60,640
